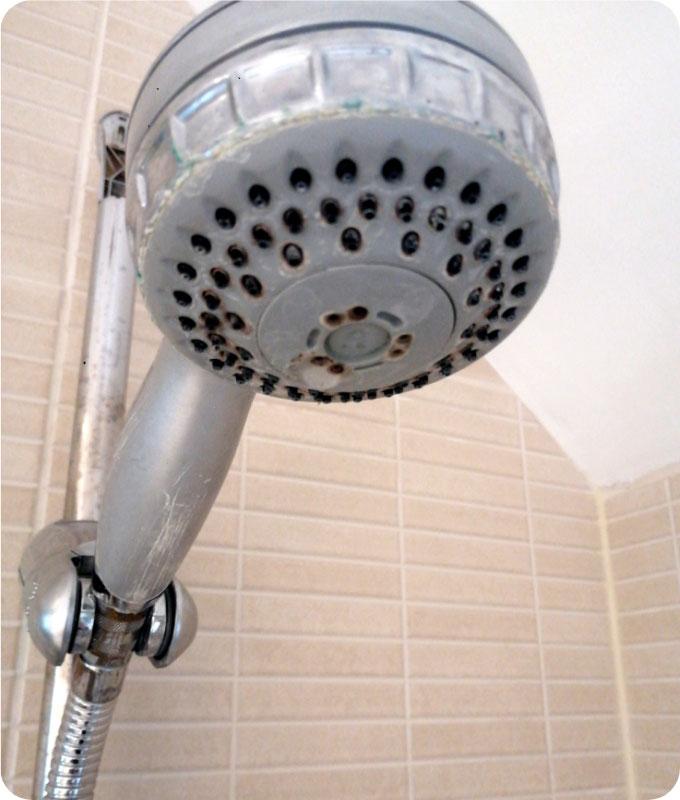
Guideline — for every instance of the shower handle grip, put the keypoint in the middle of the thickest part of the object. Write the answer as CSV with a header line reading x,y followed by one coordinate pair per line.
x,y
173,455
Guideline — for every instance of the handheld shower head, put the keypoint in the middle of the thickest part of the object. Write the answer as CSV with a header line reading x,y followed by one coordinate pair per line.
x,y
342,208
327,202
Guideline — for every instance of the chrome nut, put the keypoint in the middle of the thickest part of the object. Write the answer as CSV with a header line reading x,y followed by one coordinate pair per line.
x,y
170,627
183,618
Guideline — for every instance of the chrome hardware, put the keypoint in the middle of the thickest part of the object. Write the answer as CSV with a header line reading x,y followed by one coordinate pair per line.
x,y
61,606
170,628
57,600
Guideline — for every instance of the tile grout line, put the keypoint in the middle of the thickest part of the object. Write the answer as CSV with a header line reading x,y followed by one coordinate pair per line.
x,y
238,598
625,548
537,604
404,615
674,532
75,225
617,650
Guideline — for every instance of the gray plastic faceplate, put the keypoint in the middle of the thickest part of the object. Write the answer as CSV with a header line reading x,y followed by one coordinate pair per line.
x,y
355,168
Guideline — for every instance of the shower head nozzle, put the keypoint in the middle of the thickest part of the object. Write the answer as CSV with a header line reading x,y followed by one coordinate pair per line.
x,y
342,208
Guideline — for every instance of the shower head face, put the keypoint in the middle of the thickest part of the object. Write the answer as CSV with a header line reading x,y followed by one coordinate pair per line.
x,y
344,212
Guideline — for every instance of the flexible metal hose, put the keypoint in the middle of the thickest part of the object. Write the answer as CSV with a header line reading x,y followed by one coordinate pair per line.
x,y
78,749
96,681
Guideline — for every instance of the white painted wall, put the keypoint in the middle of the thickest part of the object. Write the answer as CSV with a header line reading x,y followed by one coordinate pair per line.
x,y
598,359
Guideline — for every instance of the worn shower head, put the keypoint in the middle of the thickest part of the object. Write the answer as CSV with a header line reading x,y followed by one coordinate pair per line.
x,y
340,201
326,201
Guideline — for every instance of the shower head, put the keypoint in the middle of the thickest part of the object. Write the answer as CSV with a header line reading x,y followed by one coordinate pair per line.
x,y
327,202
340,201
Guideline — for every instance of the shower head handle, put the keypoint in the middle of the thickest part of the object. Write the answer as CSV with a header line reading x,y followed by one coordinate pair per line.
x,y
173,455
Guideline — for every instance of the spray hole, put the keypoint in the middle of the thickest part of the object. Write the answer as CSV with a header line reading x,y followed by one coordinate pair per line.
x,y
396,352
475,296
244,375
497,292
330,210
186,271
220,278
435,179
497,214
201,244
238,255
483,250
259,195
336,369
300,179
405,339
293,255
216,340
210,320
470,354
351,239
320,361
251,285
470,193
346,170
393,170
333,319
368,206
521,264
404,208
437,218
509,314
216,364
262,237
514,238
186,323
211,300
464,232
410,243
182,298
225,218
494,271
468,333
199,345
445,366
519,290
293,220
454,265
246,355
492,313
357,313
235,321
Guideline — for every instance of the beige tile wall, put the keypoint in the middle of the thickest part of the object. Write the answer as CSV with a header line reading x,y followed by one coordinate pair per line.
x,y
644,535
398,600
